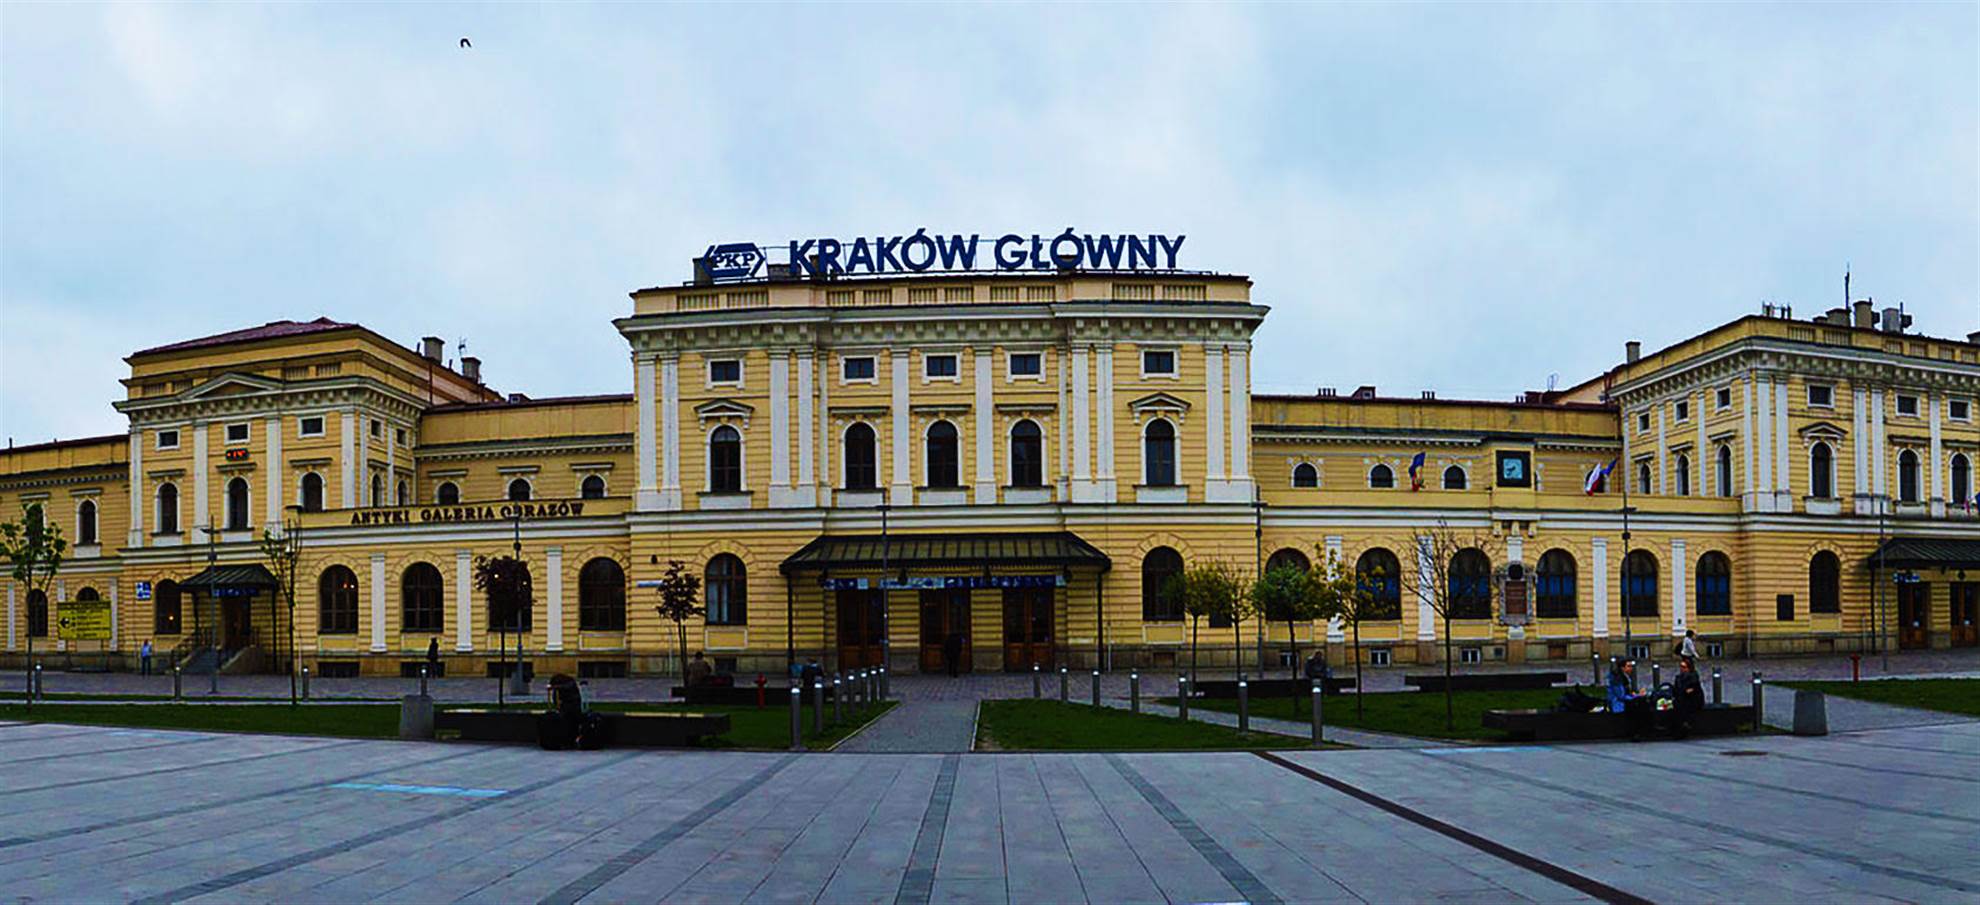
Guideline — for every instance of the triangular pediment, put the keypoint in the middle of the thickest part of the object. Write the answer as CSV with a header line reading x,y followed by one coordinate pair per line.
x,y
1822,430
233,384
716,409
1159,402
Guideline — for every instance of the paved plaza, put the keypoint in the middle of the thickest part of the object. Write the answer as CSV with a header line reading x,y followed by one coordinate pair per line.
x,y
108,814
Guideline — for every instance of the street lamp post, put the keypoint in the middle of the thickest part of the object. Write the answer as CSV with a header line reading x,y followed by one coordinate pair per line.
x,y
886,630
212,596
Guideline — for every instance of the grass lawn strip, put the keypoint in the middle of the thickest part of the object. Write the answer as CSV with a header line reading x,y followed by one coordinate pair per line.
x,y
1413,713
1026,725
1961,696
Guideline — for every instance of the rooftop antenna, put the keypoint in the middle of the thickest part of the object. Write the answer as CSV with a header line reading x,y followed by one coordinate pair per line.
x,y
1553,380
1846,298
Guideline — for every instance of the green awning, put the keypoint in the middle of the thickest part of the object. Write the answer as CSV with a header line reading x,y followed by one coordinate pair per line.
x,y
920,551
230,581
1926,553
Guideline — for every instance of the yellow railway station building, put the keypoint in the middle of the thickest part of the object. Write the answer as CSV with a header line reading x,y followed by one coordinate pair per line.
x,y
864,468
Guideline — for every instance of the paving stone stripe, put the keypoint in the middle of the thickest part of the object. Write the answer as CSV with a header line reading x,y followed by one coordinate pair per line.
x,y
205,764
1241,878
1880,769
11,738
918,882
238,877
625,861
1776,787
63,755
1694,821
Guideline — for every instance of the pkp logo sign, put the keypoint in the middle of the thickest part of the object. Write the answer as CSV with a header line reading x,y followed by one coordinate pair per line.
x,y
732,261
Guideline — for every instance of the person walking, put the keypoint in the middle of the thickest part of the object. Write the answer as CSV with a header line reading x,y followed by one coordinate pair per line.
x,y
144,657
1688,647
433,657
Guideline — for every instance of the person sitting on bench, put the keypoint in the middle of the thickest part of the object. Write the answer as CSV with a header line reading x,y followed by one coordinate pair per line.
x,y
1687,698
1636,708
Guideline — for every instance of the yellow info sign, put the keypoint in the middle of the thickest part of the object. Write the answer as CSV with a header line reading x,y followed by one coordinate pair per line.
x,y
83,620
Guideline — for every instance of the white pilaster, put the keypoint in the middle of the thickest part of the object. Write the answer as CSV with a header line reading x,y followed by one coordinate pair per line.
x,y
200,511
1680,588
1426,618
901,440
807,430
1702,455
1749,489
1859,463
986,430
553,567
1061,428
1663,452
1104,451
348,462
1937,460
115,612
1878,444
1783,493
827,478
377,603
670,433
1082,473
390,436
1214,467
272,492
1763,430
1335,627
646,493
1239,388
463,601
1599,604
137,488
782,495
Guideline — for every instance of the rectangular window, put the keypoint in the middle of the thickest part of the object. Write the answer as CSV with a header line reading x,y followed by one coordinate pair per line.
x,y
1821,396
1725,398
399,436
1683,411
1959,410
168,439
1643,422
1378,656
1907,405
1784,607
725,371
1470,655
310,426
1027,364
377,429
857,368
1158,363
237,433
939,367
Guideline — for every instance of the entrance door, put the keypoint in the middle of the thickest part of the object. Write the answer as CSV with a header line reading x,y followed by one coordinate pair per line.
x,y
1913,603
862,623
945,631
1965,619
1027,629
237,625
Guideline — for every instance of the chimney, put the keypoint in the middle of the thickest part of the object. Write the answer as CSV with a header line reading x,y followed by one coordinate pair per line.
x,y
1974,337
1329,393
471,368
1429,394
431,347
1865,316
1893,321
1632,351
1835,317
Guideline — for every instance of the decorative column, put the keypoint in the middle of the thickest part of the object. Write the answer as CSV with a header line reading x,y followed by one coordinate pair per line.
x,y
201,518
1216,480
1749,487
1663,452
553,567
377,603
1937,462
137,488
1239,388
347,460
115,613
670,433
272,520
1082,474
807,476
1679,596
827,480
986,426
646,496
1104,453
463,601
780,430
1599,554
1703,455
1783,494
1878,486
1859,436
1763,437
900,438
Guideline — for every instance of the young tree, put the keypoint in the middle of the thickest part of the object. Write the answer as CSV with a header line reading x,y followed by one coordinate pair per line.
x,y
1289,595
283,553
1432,582
680,600
1354,597
1212,589
505,583
33,549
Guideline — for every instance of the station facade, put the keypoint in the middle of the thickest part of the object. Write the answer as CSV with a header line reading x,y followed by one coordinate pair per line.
x,y
870,469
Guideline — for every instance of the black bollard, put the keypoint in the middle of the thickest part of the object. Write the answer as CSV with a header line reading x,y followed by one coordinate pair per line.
x,y
1318,732
1595,668
797,719
1182,697
422,681
1718,687
838,701
1134,692
305,683
1656,675
1062,685
1244,706
818,707
1035,695
1096,688
178,687
1759,701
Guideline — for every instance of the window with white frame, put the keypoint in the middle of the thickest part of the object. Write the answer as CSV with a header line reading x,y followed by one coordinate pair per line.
x,y
1959,409
1158,363
939,367
168,439
1027,364
1821,396
1643,422
309,426
725,372
377,428
237,433
856,369
1683,410
1907,406
1723,399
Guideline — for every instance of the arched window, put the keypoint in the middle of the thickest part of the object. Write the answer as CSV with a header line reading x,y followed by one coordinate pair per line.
x,y
1454,478
725,460
1642,477
165,608
88,595
1714,585
86,523
447,494
422,606
1553,585
312,492
168,508
727,590
519,490
941,468
1725,475
1470,585
862,470
1639,574
602,596
337,603
37,603
1158,454
1381,477
1305,475
377,491
593,488
1027,454
1908,476
1380,574
237,504
1962,480
1159,603
1683,475
1824,583
1821,471
399,497
1288,558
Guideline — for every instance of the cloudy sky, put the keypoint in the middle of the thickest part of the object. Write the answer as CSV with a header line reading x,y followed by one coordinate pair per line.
x,y
1467,198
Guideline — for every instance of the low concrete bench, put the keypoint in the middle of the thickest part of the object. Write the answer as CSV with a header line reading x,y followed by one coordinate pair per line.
x,y
632,730
1487,681
1552,725
1226,689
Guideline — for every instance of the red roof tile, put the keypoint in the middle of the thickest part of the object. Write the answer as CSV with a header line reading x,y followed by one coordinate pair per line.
x,y
270,330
